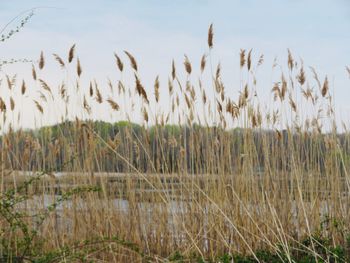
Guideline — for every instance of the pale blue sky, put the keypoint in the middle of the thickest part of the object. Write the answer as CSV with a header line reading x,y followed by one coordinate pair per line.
x,y
156,31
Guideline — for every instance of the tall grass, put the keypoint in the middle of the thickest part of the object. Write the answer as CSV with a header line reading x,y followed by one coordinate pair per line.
x,y
210,176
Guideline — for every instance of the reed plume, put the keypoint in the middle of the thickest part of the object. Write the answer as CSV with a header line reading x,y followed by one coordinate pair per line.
x,y
41,61
23,87
59,60
132,60
325,87
203,63
210,36
79,69
156,88
71,53
119,62
242,57
188,65
140,89
113,104
249,59
301,77
33,72
173,70
39,107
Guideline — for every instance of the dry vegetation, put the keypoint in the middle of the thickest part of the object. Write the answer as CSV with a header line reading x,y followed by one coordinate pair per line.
x,y
213,176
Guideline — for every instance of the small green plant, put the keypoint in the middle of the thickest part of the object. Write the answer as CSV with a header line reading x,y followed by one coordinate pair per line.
x,y
24,243
176,257
6,35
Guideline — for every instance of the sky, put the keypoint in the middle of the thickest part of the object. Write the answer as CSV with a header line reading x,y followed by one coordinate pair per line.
x,y
157,31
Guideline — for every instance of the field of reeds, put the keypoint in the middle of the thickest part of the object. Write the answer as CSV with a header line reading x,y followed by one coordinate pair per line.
x,y
209,179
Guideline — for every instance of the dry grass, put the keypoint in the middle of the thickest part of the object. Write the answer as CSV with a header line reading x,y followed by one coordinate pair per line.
x,y
275,179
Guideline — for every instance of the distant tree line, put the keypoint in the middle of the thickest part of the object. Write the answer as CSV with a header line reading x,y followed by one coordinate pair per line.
x,y
97,146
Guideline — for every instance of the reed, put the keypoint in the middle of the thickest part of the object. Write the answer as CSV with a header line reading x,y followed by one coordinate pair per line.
x,y
176,186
